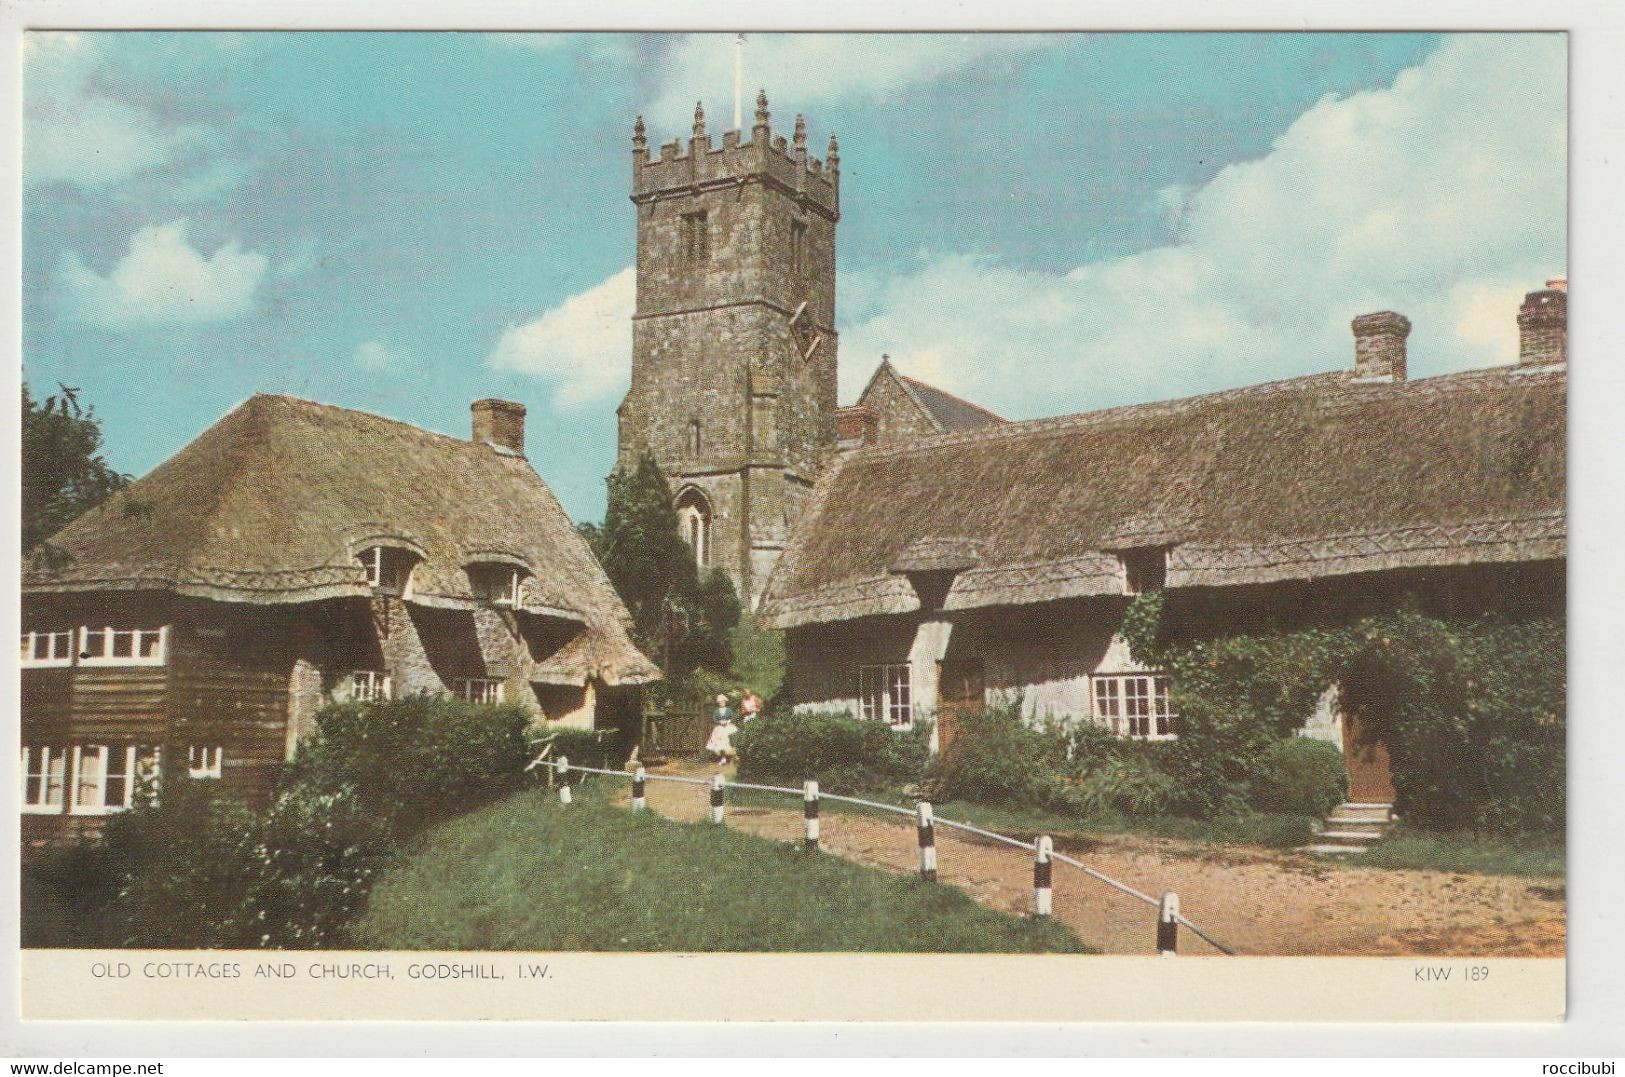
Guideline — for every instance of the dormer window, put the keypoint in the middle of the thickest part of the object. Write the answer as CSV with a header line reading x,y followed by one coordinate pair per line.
x,y
497,582
389,568
1144,569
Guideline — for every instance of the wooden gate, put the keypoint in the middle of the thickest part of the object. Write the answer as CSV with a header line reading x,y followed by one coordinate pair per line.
x,y
960,691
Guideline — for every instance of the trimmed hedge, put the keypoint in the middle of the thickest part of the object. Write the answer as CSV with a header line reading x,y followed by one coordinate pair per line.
x,y
842,753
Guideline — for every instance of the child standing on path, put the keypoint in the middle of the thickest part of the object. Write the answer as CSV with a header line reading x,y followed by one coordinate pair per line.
x,y
720,744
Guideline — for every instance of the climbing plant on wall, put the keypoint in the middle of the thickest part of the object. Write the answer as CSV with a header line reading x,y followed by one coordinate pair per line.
x,y
1472,709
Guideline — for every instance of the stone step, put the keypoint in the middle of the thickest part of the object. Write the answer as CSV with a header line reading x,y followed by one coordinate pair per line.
x,y
1348,837
1378,813
1366,826
1332,850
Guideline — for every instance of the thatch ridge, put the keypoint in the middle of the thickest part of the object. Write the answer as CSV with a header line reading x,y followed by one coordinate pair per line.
x,y
1310,476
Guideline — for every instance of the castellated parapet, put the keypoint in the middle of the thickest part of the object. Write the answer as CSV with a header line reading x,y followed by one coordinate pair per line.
x,y
733,339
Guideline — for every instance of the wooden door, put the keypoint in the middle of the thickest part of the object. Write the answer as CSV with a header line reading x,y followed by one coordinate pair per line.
x,y
1370,780
960,691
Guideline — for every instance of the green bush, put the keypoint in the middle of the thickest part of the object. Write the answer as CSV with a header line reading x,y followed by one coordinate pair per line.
x,y
605,749
412,762
1300,775
1128,784
997,758
843,754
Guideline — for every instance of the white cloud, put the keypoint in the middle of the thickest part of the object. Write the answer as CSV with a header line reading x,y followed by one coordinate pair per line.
x,y
815,68
73,133
371,355
163,279
583,346
1442,196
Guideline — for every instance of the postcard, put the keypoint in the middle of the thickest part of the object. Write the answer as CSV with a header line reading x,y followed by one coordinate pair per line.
x,y
794,526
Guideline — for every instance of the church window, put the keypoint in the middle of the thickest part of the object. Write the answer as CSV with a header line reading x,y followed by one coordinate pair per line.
x,y
694,437
798,245
696,239
694,518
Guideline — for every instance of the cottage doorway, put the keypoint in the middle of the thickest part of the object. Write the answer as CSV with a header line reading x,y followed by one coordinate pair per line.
x,y
960,691
1371,781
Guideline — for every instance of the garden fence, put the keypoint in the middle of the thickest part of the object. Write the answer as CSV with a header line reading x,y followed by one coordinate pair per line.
x,y
1168,917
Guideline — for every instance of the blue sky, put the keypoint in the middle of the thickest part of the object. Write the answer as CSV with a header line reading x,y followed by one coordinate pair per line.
x,y
407,222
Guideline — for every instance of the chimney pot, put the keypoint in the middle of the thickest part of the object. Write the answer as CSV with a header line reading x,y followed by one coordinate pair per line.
x,y
1543,327
1379,346
499,424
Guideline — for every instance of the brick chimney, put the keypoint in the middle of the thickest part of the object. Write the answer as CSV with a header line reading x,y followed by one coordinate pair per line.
x,y
1379,346
500,424
1543,326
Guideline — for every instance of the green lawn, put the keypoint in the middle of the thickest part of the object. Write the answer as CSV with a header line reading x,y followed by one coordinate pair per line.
x,y
1465,853
528,873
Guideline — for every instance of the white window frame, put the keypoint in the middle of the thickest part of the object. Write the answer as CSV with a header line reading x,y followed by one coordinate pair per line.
x,y
477,689
373,559
1136,706
205,760
371,686
109,636
41,778
103,754
58,647
484,574
886,693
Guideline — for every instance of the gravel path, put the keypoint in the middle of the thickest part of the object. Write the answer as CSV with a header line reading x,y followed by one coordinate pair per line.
x,y
1257,901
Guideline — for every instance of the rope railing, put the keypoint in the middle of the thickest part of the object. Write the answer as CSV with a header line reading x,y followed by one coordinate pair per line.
x,y
1168,914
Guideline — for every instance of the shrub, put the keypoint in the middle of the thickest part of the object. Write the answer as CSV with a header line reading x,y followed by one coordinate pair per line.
x,y
1128,784
605,749
1300,775
414,761
997,758
842,753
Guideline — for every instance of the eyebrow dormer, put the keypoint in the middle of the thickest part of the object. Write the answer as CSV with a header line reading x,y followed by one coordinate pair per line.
x,y
497,578
388,561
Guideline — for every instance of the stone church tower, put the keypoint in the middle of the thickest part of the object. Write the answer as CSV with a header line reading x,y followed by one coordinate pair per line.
x,y
733,339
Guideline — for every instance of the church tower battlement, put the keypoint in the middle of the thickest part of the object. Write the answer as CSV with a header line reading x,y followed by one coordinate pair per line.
x,y
733,338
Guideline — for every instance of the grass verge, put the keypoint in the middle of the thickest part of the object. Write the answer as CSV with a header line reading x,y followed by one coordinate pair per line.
x,y
1468,853
528,873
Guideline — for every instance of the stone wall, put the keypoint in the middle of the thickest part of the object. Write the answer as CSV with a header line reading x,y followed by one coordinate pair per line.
x,y
898,417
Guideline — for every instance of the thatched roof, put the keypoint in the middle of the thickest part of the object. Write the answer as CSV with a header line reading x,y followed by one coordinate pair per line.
x,y
1307,477
273,503
944,411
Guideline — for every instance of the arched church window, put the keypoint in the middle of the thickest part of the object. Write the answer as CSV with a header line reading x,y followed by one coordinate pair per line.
x,y
694,437
694,518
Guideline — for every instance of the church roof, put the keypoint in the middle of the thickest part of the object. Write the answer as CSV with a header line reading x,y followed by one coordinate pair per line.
x,y
1315,476
943,410
273,503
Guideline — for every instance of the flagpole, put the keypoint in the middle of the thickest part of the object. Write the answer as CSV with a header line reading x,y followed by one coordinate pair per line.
x,y
739,79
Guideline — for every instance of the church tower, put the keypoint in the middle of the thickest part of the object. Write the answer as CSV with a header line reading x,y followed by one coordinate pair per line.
x,y
733,339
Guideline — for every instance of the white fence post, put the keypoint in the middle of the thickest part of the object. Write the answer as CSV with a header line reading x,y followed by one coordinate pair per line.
x,y
716,799
928,843
564,779
809,810
1168,925
1043,870
638,801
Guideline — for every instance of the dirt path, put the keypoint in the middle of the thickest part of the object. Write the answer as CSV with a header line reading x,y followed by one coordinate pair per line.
x,y
1258,901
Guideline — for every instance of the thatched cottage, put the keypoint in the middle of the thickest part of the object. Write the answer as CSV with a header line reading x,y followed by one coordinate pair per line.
x,y
291,555
934,574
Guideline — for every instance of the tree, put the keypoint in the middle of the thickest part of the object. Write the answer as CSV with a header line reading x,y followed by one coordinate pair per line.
x,y
678,618
64,474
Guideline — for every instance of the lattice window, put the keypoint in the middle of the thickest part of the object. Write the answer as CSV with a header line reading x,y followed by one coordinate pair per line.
x,y
370,686
47,648
45,776
696,239
1135,705
105,776
478,689
123,647
205,760
885,693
